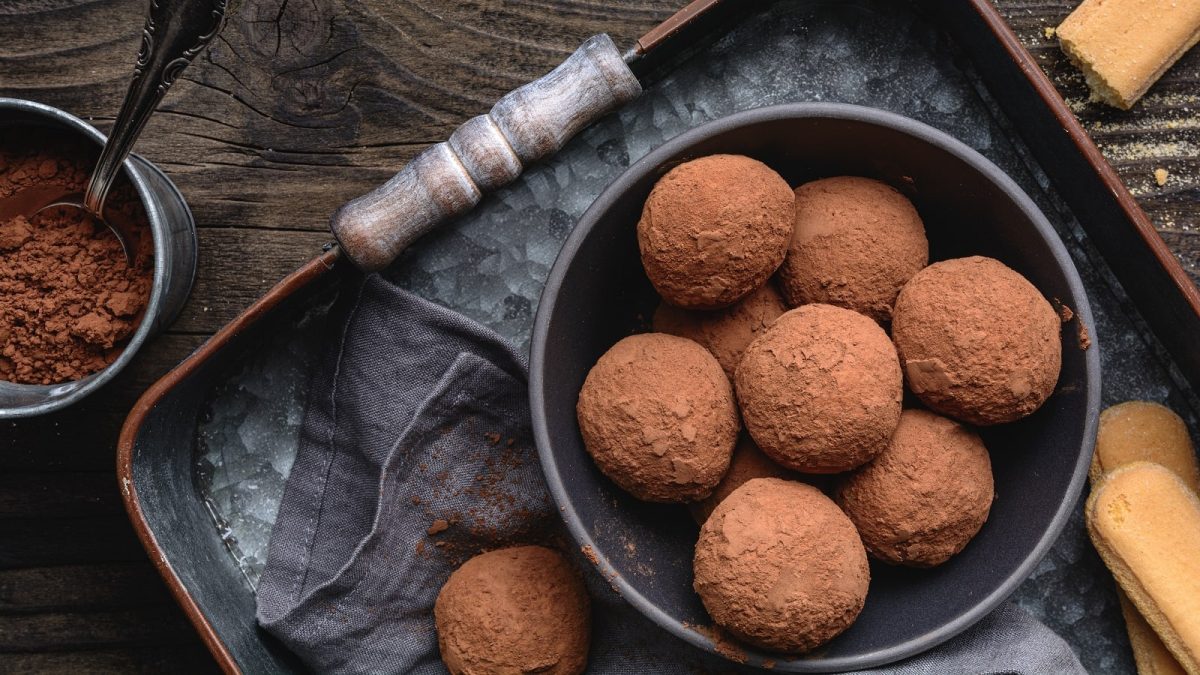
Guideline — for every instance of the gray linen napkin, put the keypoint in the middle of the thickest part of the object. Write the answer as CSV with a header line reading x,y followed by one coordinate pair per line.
x,y
415,413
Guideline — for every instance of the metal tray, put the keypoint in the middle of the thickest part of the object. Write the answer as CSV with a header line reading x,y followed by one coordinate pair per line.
x,y
204,453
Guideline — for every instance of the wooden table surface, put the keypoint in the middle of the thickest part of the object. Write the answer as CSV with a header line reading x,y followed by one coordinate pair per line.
x,y
299,106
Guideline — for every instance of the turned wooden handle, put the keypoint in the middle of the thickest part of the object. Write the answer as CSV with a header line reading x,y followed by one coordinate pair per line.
x,y
486,152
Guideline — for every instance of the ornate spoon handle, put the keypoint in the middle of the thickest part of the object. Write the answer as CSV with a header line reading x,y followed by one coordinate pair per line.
x,y
486,152
176,31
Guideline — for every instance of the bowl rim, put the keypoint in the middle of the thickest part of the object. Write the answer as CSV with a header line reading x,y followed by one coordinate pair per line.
x,y
85,386
835,111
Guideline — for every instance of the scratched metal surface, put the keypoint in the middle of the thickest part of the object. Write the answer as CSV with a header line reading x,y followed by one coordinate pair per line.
x,y
491,264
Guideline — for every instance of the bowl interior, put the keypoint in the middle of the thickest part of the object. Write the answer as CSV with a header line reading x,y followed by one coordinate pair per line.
x,y
598,293
22,400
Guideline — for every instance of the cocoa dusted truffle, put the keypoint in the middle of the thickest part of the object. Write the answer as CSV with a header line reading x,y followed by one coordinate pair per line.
x,y
779,566
727,332
977,341
714,229
747,464
514,610
820,390
923,498
658,416
857,241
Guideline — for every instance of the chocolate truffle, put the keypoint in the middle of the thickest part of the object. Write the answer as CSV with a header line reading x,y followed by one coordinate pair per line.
x,y
779,566
658,416
857,241
925,496
977,341
516,610
747,464
820,390
727,332
714,229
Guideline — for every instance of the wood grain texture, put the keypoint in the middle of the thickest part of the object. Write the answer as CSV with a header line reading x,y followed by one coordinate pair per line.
x,y
1162,131
300,106
527,124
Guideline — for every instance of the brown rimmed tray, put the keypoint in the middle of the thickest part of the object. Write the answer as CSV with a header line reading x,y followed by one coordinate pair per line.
x,y
156,452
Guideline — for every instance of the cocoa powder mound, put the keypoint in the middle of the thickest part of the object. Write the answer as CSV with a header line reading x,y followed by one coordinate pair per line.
x,y
780,566
726,332
924,497
978,342
68,298
657,415
820,390
515,610
857,241
714,229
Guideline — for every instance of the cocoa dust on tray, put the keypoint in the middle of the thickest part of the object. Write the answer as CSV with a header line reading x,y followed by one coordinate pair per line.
x,y
495,520
69,300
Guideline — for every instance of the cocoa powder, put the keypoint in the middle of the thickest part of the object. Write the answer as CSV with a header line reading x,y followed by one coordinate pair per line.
x,y
714,229
857,242
925,496
514,610
820,390
657,415
977,340
778,565
69,300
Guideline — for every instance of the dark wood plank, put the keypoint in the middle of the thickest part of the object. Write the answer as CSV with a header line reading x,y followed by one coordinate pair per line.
x,y
60,631
81,587
37,542
76,440
58,495
226,284
1161,132
181,659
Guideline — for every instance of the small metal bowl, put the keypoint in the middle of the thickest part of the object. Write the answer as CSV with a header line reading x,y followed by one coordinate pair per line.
x,y
174,234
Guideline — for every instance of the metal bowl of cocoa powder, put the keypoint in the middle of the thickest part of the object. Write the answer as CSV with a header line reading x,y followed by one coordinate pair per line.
x,y
73,309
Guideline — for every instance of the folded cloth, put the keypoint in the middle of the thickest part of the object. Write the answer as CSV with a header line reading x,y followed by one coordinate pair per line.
x,y
416,454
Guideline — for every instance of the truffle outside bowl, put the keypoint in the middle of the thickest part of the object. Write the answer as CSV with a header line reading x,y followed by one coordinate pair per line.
x,y
174,235
597,293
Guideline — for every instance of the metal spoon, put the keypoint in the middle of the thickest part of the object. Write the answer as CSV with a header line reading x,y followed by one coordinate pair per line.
x,y
176,31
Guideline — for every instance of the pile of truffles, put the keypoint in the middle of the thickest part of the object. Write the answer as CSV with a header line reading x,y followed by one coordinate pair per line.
x,y
776,306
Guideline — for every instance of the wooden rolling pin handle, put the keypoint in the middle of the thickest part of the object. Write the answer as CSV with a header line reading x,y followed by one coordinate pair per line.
x,y
486,152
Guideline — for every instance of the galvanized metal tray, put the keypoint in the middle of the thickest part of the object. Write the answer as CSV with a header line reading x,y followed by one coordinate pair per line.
x,y
204,454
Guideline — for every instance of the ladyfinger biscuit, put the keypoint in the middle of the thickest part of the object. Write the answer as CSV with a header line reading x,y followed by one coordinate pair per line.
x,y
1124,46
1142,431
1149,653
1145,524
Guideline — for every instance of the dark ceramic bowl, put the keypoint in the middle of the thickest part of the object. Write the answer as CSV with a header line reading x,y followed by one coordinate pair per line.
x,y
598,293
